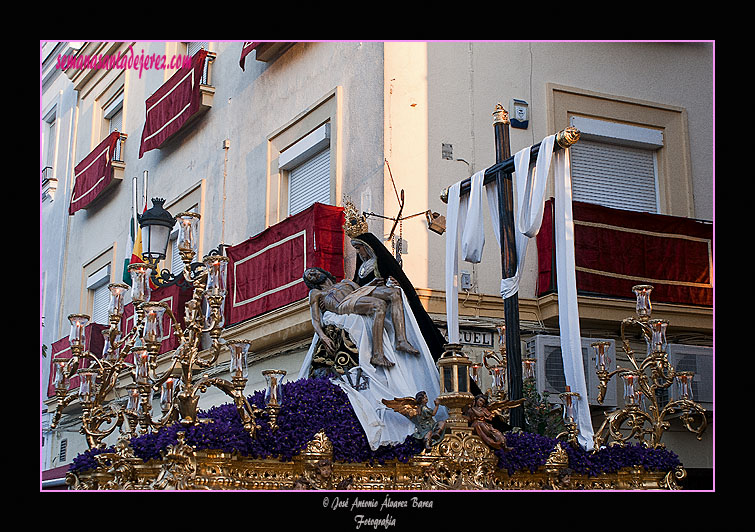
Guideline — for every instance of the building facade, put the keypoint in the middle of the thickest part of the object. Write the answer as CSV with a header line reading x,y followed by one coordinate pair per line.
x,y
275,127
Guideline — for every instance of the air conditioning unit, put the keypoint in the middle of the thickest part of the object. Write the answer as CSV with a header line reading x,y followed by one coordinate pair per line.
x,y
700,360
550,368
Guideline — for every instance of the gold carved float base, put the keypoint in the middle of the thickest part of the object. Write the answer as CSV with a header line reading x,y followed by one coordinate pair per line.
x,y
461,461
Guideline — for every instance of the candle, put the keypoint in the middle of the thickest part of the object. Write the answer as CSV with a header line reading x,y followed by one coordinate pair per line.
x,y
77,338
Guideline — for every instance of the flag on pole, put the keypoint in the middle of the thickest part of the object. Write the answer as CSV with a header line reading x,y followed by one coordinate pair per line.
x,y
133,250
135,245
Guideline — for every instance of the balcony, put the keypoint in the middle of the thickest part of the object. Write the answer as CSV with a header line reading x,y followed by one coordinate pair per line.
x,y
98,172
615,249
178,103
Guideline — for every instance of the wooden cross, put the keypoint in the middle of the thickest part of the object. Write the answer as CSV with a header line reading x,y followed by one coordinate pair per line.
x,y
501,172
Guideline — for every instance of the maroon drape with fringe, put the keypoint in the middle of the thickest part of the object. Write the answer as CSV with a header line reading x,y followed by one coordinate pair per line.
x,y
177,100
93,174
265,271
617,249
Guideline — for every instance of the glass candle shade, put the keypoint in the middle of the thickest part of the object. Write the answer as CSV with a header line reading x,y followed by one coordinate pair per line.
x,y
132,405
631,390
601,356
153,322
214,314
116,303
239,350
501,335
658,336
570,405
528,368
684,381
87,385
109,351
77,336
475,373
274,390
644,307
60,373
217,273
141,361
498,373
188,232
141,290
168,392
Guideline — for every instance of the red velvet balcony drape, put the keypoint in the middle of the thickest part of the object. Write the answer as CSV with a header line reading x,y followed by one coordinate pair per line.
x,y
265,271
173,104
617,249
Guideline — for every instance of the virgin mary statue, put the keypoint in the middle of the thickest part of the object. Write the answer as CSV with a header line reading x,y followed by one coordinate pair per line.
x,y
366,384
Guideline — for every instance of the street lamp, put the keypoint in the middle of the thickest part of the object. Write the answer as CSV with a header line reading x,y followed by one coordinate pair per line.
x,y
156,224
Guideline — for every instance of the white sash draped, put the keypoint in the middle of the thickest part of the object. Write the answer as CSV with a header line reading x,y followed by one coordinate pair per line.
x,y
530,186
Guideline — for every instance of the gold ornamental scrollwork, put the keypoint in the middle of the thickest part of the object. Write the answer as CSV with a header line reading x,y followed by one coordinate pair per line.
x,y
461,461
179,468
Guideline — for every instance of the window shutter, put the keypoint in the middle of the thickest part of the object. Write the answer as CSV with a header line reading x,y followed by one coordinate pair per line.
x,y
176,262
177,265
309,183
116,121
612,175
193,47
99,307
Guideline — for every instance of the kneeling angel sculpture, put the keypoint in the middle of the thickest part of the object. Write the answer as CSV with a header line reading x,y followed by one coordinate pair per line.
x,y
416,410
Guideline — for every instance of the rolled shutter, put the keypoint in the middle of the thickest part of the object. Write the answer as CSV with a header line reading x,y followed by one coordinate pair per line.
x,y
615,176
309,183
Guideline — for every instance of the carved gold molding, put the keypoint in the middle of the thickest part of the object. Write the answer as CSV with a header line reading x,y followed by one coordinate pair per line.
x,y
461,461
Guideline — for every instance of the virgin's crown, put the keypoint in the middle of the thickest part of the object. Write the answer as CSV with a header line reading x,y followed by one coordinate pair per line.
x,y
355,223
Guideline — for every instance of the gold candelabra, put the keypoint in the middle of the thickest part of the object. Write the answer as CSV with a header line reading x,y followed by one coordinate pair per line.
x,y
643,415
569,414
178,385
496,364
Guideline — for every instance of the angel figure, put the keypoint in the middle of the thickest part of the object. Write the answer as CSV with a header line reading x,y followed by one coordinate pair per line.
x,y
415,408
480,414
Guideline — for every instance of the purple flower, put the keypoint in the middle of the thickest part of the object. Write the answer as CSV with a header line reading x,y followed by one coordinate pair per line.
x,y
311,405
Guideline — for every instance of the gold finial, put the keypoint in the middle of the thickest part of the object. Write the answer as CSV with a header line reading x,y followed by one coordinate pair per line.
x,y
567,137
500,115
355,223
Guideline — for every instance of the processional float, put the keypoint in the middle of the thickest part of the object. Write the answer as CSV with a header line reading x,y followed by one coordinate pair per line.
x,y
464,453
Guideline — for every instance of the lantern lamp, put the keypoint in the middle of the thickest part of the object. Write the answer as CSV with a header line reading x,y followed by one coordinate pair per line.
x,y
455,392
156,224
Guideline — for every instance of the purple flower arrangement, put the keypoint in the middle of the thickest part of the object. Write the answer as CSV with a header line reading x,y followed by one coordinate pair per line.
x,y
530,451
311,405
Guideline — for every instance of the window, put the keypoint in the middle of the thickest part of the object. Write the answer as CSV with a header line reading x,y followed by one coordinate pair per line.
x,y
97,284
63,450
641,145
113,113
191,49
194,47
308,165
615,165
303,160
96,275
